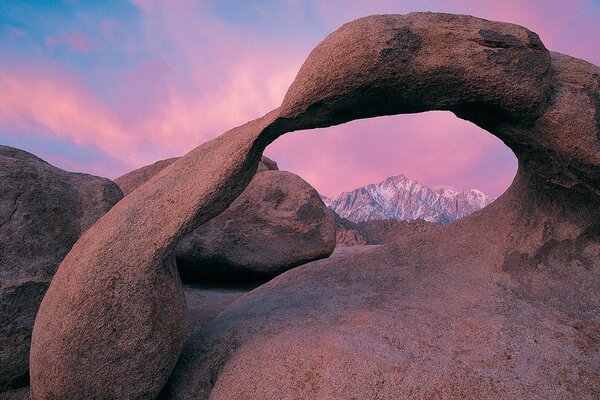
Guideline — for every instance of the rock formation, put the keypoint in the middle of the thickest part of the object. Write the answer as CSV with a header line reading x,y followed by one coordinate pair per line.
x,y
277,223
349,238
87,344
377,232
43,211
503,303
205,302
132,180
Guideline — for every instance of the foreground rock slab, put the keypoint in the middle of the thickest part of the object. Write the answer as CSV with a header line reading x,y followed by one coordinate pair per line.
x,y
43,211
526,266
416,318
205,302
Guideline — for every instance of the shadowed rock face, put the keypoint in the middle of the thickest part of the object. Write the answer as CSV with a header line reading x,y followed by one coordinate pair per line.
x,y
43,211
503,303
277,223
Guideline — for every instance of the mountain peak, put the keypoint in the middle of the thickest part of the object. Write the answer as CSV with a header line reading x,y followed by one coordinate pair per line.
x,y
400,178
401,198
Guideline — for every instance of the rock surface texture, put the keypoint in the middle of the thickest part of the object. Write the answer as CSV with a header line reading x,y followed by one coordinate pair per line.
x,y
375,232
43,211
204,303
277,223
132,180
501,304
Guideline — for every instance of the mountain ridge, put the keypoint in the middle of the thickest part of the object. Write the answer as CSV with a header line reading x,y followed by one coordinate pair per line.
x,y
398,197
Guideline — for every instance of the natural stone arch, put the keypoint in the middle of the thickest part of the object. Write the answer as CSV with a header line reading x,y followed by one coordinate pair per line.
x,y
111,324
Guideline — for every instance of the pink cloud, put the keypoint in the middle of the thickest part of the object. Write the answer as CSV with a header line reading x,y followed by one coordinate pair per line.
x,y
172,123
200,77
61,105
108,29
158,109
14,32
76,41
214,80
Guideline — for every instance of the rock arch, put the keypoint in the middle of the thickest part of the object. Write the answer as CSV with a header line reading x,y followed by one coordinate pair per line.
x,y
111,323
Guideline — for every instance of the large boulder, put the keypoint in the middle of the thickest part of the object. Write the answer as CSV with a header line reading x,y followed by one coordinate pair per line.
x,y
435,316
504,303
277,223
43,211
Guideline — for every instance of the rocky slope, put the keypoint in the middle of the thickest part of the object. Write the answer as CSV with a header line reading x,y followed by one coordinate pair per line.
x,y
377,231
403,199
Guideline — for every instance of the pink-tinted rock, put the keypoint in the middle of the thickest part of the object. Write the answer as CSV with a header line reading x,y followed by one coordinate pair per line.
x,y
112,323
375,232
132,180
503,303
349,238
43,211
277,223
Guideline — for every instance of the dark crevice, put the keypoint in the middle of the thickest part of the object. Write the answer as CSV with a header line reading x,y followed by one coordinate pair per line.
x,y
496,40
595,100
15,206
218,273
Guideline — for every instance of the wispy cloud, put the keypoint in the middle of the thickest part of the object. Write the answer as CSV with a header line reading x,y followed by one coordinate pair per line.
x,y
75,41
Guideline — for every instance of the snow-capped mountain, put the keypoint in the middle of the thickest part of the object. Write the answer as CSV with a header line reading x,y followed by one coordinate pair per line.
x,y
403,199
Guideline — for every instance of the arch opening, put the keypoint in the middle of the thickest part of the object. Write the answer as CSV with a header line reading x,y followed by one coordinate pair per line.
x,y
435,150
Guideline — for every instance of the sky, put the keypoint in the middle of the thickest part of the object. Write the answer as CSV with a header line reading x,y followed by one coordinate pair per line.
x,y
107,87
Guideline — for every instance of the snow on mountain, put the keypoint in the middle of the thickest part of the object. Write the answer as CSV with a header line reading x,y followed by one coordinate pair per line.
x,y
403,199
